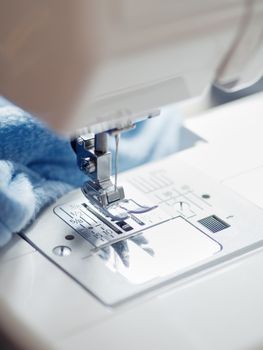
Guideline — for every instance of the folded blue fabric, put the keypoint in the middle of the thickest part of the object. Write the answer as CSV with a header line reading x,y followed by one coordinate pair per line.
x,y
37,166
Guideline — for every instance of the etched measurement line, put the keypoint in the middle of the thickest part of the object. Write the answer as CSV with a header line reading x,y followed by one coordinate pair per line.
x,y
101,218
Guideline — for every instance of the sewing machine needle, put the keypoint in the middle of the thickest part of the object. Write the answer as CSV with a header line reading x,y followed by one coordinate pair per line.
x,y
117,140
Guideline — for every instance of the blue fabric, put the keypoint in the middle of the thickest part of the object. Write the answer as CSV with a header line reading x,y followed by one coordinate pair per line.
x,y
151,139
37,167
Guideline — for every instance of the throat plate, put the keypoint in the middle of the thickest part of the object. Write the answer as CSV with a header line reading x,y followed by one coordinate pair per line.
x,y
195,224
100,230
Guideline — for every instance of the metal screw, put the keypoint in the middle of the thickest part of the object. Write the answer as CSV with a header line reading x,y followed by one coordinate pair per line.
x,y
62,250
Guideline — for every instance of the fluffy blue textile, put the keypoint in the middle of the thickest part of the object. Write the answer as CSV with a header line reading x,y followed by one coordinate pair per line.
x,y
36,167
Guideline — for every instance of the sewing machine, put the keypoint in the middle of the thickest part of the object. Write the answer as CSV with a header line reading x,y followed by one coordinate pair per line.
x,y
170,256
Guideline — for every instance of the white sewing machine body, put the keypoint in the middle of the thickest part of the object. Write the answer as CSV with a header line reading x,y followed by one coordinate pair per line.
x,y
188,274
208,297
152,54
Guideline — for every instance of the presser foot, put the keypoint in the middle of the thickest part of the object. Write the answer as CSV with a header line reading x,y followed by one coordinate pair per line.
x,y
103,195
